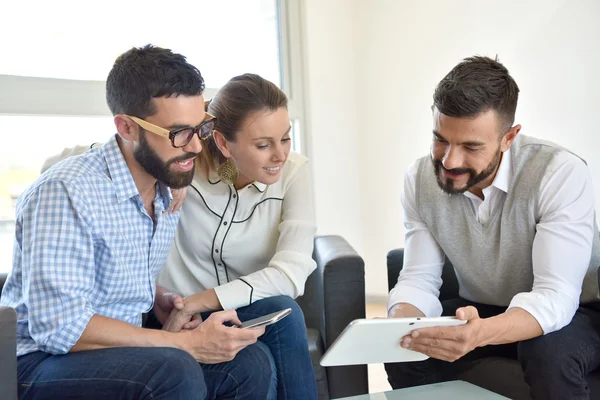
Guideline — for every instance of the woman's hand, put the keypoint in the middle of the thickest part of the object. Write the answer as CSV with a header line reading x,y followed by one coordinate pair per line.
x,y
164,303
181,320
178,199
188,316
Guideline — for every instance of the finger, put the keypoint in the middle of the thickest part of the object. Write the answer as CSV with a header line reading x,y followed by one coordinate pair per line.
x,y
435,332
437,353
170,325
440,332
467,313
175,299
194,323
177,319
441,344
246,336
170,209
226,316
177,206
258,331
190,326
446,350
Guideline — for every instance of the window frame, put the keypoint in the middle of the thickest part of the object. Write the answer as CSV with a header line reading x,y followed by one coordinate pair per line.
x,y
34,96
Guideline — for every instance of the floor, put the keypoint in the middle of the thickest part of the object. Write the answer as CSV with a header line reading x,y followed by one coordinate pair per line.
x,y
377,376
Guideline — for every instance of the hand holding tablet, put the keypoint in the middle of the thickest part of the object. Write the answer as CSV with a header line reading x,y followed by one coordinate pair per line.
x,y
367,341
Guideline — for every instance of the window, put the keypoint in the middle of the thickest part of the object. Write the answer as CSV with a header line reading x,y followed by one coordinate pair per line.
x,y
53,81
222,38
29,140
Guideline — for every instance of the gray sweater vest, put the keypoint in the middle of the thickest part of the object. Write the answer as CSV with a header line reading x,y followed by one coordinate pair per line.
x,y
494,262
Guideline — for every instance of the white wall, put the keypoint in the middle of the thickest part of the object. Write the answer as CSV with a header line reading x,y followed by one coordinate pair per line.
x,y
331,109
400,49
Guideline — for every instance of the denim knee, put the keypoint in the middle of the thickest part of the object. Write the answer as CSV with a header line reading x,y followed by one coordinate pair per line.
x,y
180,373
254,373
273,389
287,341
277,303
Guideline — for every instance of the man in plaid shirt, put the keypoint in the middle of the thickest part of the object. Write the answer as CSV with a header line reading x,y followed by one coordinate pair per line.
x,y
93,232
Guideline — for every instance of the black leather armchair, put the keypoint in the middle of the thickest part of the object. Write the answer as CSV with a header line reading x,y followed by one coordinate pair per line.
x,y
8,351
333,297
498,374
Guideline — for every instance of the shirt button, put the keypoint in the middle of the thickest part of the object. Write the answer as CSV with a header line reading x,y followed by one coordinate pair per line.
x,y
234,196
216,250
219,264
225,223
249,187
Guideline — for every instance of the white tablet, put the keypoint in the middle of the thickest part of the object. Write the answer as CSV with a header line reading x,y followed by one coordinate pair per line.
x,y
368,341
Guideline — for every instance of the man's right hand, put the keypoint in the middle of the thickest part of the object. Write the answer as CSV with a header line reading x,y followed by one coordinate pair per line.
x,y
404,310
212,342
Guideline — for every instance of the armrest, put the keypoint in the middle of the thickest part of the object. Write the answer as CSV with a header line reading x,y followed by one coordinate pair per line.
x,y
312,301
395,261
8,353
449,289
344,284
343,301
334,293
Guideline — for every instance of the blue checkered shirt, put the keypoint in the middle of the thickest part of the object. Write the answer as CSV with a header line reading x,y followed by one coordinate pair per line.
x,y
84,245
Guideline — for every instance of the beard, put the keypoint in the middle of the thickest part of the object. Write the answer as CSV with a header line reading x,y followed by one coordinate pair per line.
x,y
474,177
151,162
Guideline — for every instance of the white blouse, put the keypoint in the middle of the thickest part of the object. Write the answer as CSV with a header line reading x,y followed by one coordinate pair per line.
x,y
247,244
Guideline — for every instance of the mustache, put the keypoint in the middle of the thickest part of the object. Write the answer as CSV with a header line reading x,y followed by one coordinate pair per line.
x,y
456,171
182,157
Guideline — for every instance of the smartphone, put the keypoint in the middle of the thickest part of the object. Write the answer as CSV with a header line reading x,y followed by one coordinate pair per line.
x,y
266,319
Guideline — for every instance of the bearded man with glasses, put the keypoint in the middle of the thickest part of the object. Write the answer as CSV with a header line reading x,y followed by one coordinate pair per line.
x,y
91,237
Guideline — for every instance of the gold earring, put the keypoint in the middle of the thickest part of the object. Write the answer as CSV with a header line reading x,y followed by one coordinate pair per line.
x,y
228,172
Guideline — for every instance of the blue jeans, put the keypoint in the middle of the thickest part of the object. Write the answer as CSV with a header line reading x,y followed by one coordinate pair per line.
x,y
288,344
272,394
142,373
555,365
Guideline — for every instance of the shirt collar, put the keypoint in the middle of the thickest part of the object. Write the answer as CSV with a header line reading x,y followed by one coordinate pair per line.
x,y
120,174
213,178
261,187
504,174
502,178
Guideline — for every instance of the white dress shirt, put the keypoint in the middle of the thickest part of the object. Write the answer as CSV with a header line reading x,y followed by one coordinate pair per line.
x,y
559,255
247,244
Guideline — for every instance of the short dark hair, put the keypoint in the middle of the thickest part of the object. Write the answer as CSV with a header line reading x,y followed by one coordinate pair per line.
x,y
140,74
476,85
239,98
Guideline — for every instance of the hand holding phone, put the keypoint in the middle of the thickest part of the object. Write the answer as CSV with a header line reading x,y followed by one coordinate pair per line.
x,y
217,339
266,319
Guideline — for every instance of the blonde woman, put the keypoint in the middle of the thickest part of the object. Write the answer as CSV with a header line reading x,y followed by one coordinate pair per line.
x,y
246,232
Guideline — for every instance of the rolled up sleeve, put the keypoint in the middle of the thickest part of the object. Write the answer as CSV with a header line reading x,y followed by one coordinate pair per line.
x,y
562,245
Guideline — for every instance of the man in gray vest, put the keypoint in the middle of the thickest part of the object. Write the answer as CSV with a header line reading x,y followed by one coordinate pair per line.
x,y
515,216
